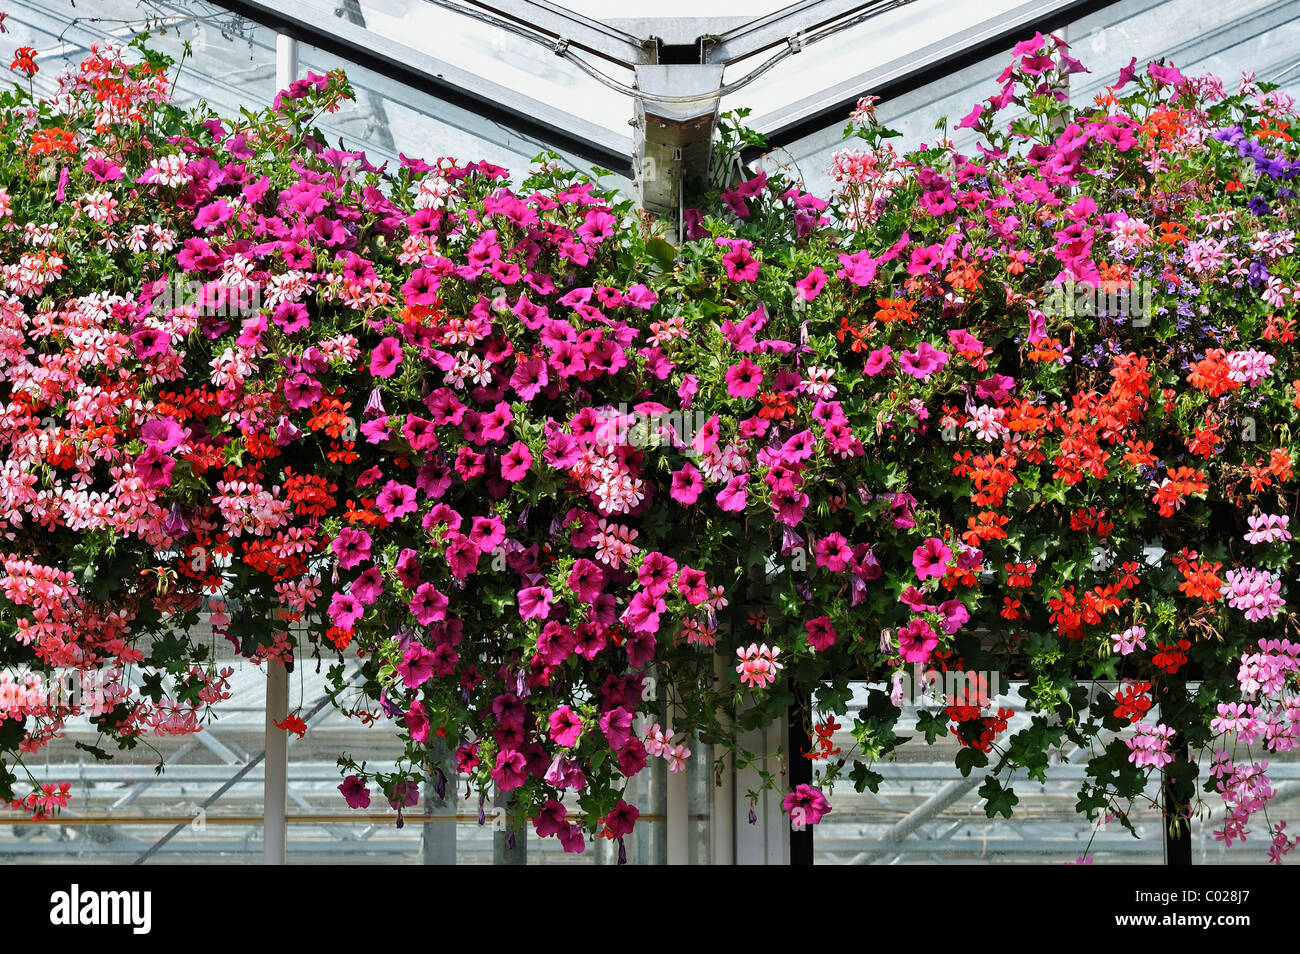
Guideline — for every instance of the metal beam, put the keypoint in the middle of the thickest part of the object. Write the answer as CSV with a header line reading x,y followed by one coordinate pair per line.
x,y
428,74
780,27
895,77
674,137
569,29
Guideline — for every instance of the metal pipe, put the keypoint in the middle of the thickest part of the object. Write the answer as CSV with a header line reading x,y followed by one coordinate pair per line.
x,y
677,805
275,784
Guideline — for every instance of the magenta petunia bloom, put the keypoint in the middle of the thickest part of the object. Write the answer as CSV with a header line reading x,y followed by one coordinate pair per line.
x,y
351,546
102,170
733,497
369,586
416,667
487,533
821,634
740,266
422,287
622,818
811,285
164,434
586,579
428,605
462,555
417,722
290,317
693,585
302,391
805,805
598,226
150,342
566,727
213,214
515,462
922,363
550,820
642,613
916,641
686,486
744,378
955,615
155,468
535,602
877,361
511,770
355,792
396,500
616,724
931,559
345,609
657,572
386,358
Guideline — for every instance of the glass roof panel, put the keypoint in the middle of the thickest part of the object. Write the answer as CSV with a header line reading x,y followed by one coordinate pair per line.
x,y
232,64
895,35
1262,35
485,50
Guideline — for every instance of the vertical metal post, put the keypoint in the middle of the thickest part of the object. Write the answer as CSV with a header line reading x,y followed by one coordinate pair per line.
x,y
276,767
722,819
276,779
438,842
509,847
286,60
677,800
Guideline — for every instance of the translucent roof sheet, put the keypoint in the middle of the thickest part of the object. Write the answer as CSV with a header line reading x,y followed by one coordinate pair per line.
x,y
232,64
487,51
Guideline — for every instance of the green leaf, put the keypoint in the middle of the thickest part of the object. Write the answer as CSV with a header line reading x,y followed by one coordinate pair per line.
x,y
969,758
864,778
999,800
95,750
932,725
664,253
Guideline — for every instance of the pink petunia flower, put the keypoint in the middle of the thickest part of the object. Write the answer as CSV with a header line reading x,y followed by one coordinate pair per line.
x,y
386,358
931,559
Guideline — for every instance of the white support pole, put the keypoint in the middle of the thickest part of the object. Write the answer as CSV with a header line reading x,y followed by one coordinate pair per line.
x,y
286,60
276,766
276,780
678,804
722,818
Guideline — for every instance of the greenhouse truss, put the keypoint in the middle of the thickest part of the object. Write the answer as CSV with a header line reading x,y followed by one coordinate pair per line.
x,y
513,432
